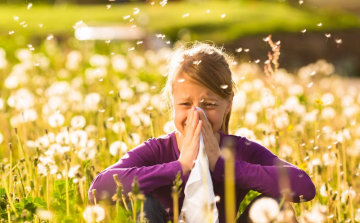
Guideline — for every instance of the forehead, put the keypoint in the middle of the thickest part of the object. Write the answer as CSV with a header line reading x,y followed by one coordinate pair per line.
x,y
186,88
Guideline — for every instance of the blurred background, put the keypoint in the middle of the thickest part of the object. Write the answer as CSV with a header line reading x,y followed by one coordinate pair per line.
x,y
309,30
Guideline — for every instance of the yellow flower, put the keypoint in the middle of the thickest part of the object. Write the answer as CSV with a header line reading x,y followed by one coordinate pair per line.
x,y
319,101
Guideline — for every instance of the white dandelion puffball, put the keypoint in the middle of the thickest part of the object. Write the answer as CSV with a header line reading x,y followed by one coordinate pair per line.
x,y
328,113
94,214
56,120
119,63
44,214
116,146
250,118
264,210
169,127
78,122
327,98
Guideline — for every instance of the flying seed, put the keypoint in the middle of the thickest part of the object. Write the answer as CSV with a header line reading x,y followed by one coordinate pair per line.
x,y
108,6
139,42
11,32
319,24
266,39
16,18
257,61
197,62
224,86
301,2
338,41
40,25
303,31
246,50
313,73
185,15
207,11
167,42
126,17
181,80
310,85
49,37
136,11
163,3
29,6
223,16
152,3
132,48
239,50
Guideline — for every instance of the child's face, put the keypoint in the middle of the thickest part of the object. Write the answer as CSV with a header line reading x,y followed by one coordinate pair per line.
x,y
187,94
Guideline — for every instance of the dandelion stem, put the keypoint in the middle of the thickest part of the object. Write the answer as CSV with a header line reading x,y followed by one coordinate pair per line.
x,y
229,182
67,187
22,185
47,190
175,204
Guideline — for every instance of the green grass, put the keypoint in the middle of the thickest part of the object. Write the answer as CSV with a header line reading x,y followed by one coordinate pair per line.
x,y
242,18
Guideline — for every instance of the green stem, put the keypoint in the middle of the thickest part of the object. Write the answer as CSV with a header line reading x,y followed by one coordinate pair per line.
x,y
67,188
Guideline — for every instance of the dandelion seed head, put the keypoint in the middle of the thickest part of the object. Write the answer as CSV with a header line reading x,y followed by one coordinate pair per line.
x,y
94,214
29,6
328,35
264,210
303,31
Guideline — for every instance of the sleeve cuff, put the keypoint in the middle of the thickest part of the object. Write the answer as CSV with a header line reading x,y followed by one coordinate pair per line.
x,y
176,167
218,173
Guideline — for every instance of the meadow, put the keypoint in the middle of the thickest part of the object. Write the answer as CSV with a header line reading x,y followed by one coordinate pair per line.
x,y
70,109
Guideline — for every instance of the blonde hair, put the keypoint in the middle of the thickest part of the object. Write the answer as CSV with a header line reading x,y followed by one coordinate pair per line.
x,y
207,65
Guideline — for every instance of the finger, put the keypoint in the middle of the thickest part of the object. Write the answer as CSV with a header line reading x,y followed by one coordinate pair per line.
x,y
195,121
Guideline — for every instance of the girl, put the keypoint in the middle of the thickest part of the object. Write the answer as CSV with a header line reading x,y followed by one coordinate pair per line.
x,y
200,76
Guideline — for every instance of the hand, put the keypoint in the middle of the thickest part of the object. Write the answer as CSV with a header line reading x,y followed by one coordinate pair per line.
x,y
191,141
210,142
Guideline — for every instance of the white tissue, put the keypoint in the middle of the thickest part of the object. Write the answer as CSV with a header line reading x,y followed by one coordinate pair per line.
x,y
199,202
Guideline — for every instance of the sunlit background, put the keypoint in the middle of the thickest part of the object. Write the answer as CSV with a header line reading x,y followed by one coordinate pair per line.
x,y
82,79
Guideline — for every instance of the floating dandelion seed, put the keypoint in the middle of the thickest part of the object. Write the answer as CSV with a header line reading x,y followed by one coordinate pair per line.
x,y
185,15
181,80
139,42
22,23
163,3
16,18
239,50
208,11
257,61
338,41
201,100
266,39
107,41
246,50
36,64
108,6
223,16
132,48
49,37
29,6
131,20
168,42
11,32
126,17
278,42
310,85
328,35
197,62
152,87
303,31
152,3
313,73
301,2
267,62
224,86
319,24
136,11
101,110
101,79
162,36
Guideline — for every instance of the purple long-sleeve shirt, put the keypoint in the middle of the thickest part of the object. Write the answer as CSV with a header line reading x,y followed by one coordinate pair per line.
x,y
156,164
